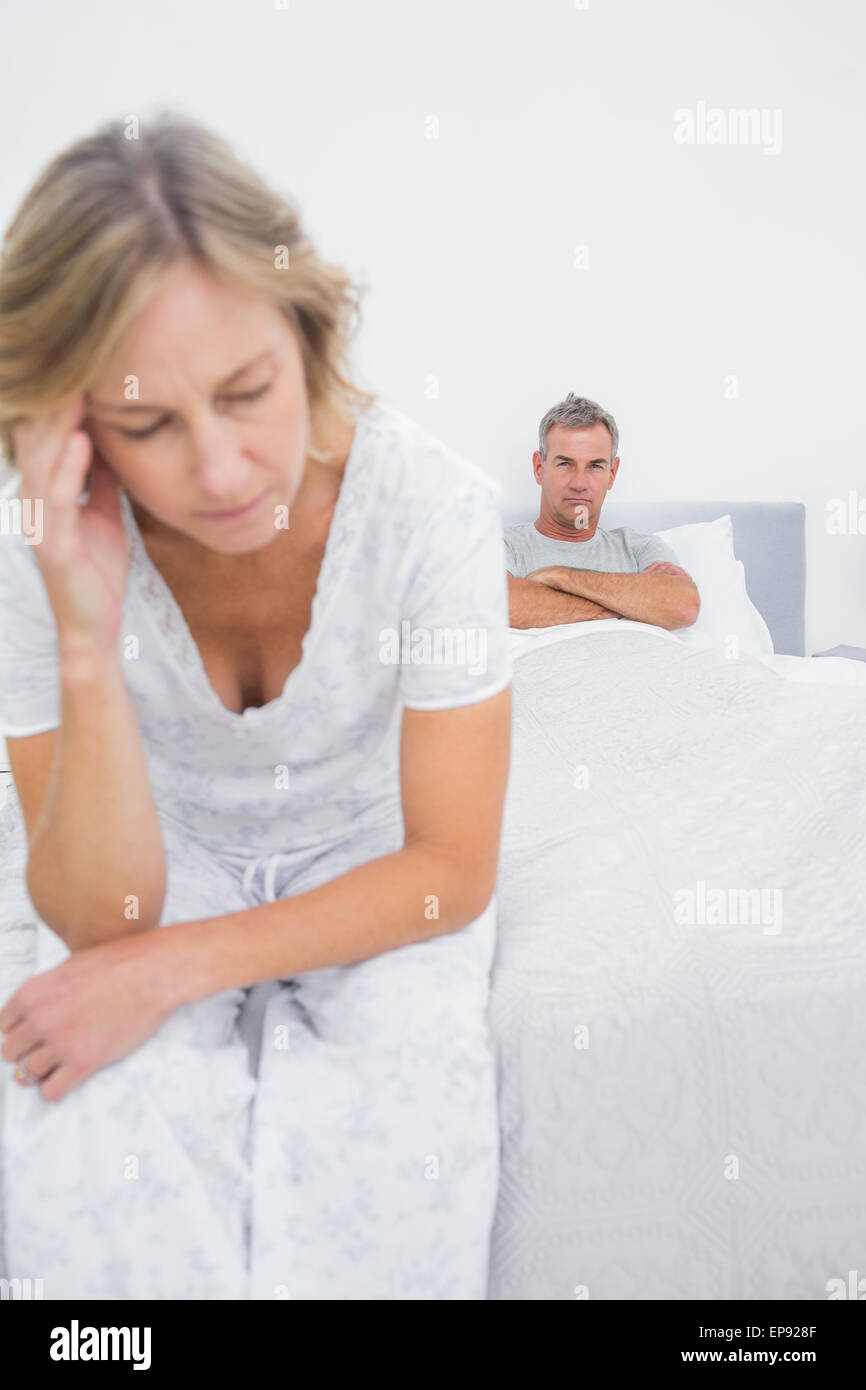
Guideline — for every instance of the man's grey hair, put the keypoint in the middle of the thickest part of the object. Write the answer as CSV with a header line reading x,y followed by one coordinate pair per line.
x,y
577,413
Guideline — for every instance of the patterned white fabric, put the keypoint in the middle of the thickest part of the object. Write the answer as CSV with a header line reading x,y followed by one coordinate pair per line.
x,y
682,1104
361,1160
415,537
329,1136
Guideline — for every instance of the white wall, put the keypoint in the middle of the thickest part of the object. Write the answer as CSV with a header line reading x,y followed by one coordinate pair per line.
x,y
555,131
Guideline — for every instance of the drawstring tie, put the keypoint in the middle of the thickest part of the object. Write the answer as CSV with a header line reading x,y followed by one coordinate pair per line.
x,y
270,863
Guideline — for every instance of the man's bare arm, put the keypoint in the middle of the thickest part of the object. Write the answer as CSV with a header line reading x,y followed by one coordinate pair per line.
x,y
532,603
664,599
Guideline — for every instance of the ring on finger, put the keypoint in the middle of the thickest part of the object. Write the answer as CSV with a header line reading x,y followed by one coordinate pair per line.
x,y
23,1074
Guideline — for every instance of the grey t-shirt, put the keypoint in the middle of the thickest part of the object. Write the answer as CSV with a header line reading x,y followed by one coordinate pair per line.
x,y
620,551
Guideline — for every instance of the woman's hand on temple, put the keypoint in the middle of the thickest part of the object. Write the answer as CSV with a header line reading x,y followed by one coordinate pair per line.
x,y
96,1007
83,552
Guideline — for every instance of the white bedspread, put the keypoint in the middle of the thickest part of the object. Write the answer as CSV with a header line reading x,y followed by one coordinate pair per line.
x,y
710,1049
683,1103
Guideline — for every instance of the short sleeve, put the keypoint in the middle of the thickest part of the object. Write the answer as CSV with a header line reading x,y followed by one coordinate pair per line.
x,y
29,665
511,562
650,549
454,612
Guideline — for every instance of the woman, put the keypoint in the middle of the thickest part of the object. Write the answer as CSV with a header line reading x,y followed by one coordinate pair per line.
x,y
288,1090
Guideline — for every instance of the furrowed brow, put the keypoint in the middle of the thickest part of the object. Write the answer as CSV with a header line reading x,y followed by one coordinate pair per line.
x,y
129,406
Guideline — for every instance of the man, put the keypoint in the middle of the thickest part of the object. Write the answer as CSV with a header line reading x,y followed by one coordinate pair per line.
x,y
564,567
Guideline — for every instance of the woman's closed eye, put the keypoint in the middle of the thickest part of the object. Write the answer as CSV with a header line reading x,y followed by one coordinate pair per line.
x,y
152,429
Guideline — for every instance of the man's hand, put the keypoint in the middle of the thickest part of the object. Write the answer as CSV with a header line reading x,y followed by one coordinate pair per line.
x,y
665,567
660,598
532,602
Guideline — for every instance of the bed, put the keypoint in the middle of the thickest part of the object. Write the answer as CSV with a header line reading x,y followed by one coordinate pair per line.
x,y
677,997
683,1102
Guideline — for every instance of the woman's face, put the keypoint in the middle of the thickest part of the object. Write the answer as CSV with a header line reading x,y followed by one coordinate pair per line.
x,y
204,410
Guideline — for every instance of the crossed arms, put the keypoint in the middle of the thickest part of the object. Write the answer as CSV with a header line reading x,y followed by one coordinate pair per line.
x,y
662,594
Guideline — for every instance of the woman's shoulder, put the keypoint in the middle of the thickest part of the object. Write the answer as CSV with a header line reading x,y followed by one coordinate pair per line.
x,y
418,468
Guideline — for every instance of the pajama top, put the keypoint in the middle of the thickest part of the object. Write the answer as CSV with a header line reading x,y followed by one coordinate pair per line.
x,y
410,610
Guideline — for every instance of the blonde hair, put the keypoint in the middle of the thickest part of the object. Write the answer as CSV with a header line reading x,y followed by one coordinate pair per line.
x,y
106,219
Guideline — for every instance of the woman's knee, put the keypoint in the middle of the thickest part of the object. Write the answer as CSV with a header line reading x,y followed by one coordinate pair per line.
x,y
193,1073
431,994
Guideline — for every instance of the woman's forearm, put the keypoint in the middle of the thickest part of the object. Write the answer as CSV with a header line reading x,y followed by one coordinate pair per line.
x,y
96,867
389,902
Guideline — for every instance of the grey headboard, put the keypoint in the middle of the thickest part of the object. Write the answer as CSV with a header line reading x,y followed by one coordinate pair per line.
x,y
769,538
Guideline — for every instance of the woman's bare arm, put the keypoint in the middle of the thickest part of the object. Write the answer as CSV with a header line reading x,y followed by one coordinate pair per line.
x,y
96,864
454,771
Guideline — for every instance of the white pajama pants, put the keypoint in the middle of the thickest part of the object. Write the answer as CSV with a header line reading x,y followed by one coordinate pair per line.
x,y
356,1157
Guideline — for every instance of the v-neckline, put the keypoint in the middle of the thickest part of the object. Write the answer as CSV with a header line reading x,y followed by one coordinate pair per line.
x,y
174,627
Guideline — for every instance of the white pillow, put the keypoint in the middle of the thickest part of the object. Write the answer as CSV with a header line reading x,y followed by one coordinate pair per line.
x,y
706,550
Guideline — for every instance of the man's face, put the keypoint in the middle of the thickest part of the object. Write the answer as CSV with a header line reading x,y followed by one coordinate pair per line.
x,y
578,471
